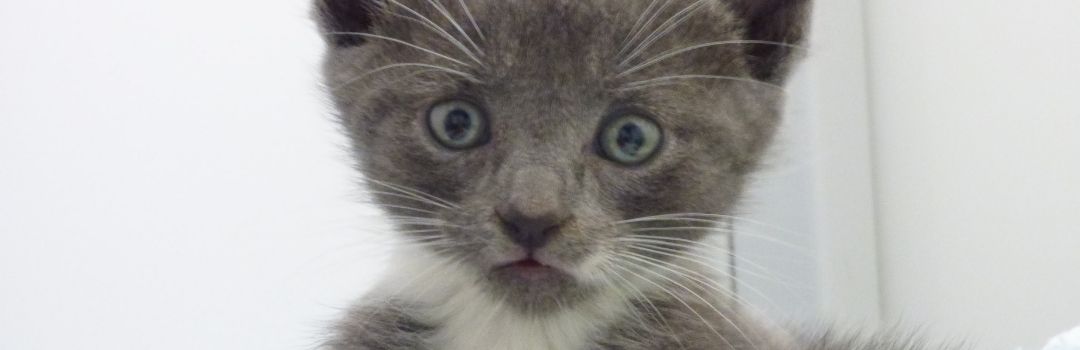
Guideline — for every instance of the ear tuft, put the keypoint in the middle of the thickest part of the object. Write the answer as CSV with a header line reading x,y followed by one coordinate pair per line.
x,y
781,21
344,16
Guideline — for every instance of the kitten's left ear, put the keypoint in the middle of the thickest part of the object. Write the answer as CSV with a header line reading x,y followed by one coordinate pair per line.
x,y
779,21
344,16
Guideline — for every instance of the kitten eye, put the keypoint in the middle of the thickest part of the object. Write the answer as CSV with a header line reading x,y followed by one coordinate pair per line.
x,y
457,124
630,139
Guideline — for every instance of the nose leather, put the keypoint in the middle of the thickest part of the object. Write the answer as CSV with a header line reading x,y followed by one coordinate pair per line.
x,y
534,208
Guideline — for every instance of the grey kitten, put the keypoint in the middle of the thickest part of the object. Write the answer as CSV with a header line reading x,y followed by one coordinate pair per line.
x,y
547,161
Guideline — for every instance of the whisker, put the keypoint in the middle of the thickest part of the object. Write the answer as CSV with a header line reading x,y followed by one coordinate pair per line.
x,y
423,224
634,29
471,19
706,281
439,7
675,52
695,294
665,28
677,298
701,278
402,42
438,30
642,297
720,216
674,79
407,208
707,263
467,76
405,196
764,273
800,250
702,218
426,286
416,218
641,30
413,191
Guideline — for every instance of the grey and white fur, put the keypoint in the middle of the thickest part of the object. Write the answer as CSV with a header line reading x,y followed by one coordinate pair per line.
x,y
523,231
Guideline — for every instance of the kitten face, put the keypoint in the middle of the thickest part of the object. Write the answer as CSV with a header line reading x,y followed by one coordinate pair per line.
x,y
540,137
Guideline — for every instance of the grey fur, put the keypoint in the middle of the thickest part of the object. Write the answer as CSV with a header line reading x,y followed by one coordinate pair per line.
x,y
547,74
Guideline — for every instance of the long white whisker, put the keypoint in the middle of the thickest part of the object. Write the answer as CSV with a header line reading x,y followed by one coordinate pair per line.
x,y
439,30
409,209
683,243
468,76
705,281
711,266
412,191
454,22
664,29
407,196
800,250
696,276
675,52
402,42
427,286
670,79
641,296
471,19
642,29
417,218
699,218
695,294
638,22
677,298
719,216
423,224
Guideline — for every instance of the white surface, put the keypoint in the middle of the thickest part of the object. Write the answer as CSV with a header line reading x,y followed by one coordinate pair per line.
x,y
1066,341
815,193
976,122
169,178
843,180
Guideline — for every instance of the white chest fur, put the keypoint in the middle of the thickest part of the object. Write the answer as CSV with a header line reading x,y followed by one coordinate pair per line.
x,y
468,318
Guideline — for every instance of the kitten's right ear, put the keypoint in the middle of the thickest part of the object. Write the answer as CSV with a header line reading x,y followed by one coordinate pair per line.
x,y
336,17
783,22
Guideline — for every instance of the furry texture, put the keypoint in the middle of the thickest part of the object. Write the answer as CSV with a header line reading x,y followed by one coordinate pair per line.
x,y
618,245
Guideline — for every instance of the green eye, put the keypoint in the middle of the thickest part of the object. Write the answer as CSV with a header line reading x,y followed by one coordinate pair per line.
x,y
457,124
630,139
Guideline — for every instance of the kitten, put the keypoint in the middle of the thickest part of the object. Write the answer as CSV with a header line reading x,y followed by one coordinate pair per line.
x,y
544,159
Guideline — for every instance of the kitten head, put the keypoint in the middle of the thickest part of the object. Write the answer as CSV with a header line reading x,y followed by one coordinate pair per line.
x,y
526,139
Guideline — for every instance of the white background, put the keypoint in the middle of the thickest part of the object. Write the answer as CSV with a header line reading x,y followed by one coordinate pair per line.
x,y
170,177
976,117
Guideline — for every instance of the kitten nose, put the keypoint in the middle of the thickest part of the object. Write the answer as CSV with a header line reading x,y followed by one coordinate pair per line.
x,y
534,209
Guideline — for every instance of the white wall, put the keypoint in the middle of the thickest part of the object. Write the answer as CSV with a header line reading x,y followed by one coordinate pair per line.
x,y
813,203
169,178
976,118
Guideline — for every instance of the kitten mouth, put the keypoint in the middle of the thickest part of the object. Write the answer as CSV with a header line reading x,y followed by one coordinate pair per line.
x,y
534,285
529,269
526,263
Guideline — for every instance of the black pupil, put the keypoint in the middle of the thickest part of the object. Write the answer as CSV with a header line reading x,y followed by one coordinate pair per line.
x,y
631,138
457,125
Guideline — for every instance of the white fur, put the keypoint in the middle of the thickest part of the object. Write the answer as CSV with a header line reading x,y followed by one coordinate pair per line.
x,y
469,318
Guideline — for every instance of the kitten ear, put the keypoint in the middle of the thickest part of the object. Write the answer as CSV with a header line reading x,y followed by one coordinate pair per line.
x,y
780,21
344,16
